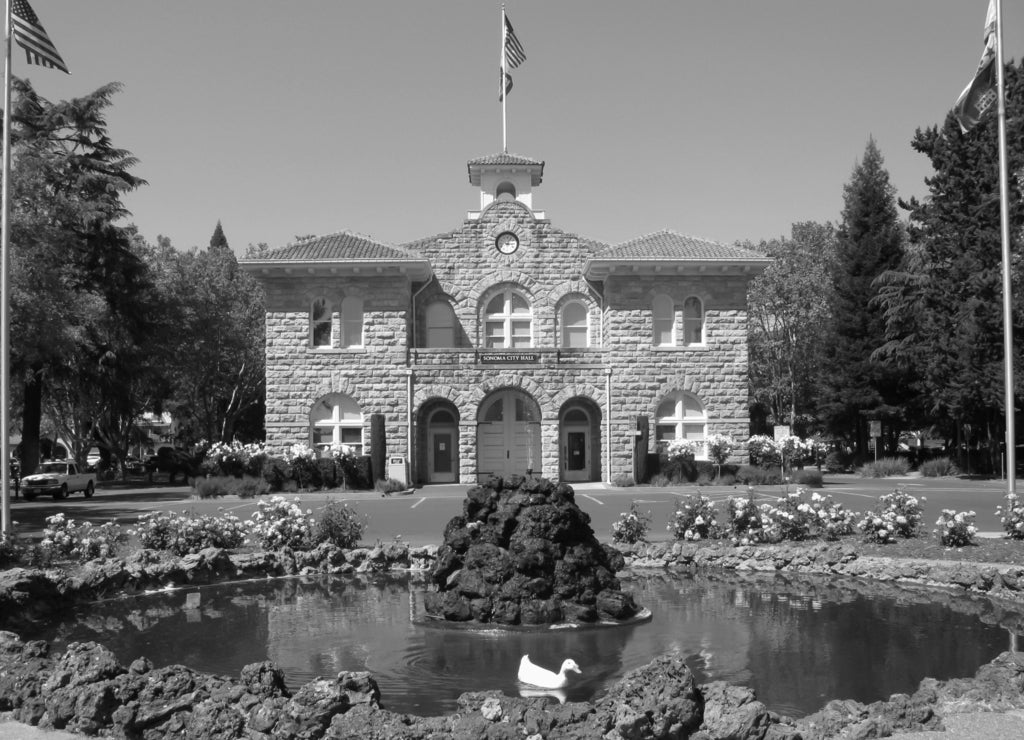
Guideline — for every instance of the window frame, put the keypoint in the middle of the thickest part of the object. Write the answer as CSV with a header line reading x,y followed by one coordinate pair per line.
x,y
564,326
680,421
690,322
337,423
507,319
326,318
429,326
352,322
660,318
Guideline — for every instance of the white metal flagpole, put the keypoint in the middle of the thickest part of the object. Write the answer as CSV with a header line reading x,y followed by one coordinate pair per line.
x,y
5,300
504,76
1004,218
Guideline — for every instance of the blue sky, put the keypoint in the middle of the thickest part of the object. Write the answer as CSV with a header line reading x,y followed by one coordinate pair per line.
x,y
722,119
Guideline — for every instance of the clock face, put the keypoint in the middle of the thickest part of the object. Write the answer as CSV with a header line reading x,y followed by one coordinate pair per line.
x,y
507,242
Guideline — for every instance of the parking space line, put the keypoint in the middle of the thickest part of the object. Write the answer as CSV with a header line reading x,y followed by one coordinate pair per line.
x,y
599,503
418,502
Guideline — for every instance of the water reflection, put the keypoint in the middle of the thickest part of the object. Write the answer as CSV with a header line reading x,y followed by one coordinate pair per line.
x,y
798,642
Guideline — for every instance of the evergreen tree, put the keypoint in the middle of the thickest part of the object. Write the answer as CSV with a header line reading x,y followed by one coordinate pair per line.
x,y
856,386
943,306
218,240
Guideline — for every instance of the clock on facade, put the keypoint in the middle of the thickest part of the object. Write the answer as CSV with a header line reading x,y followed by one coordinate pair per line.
x,y
507,242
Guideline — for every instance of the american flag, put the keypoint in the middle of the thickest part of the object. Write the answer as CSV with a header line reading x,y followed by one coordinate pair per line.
x,y
514,54
31,36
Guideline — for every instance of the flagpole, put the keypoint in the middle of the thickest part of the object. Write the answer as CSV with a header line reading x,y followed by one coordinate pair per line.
x,y
504,76
5,299
1004,218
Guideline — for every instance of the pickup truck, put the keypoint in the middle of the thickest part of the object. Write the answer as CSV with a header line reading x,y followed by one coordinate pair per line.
x,y
59,478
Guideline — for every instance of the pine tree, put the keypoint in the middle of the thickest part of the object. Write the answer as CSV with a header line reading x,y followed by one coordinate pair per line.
x,y
858,387
218,240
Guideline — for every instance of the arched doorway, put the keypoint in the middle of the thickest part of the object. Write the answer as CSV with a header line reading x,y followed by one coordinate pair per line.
x,y
579,437
508,435
442,446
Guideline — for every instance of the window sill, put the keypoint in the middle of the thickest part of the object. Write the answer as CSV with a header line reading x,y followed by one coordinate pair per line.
x,y
338,350
681,348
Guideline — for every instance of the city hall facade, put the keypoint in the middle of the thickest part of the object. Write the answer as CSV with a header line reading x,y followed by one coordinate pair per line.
x,y
506,346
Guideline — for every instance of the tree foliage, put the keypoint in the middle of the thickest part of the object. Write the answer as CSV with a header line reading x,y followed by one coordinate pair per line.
x,y
789,310
942,305
870,241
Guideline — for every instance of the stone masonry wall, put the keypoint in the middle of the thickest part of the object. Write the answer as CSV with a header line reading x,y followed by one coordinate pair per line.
x,y
548,269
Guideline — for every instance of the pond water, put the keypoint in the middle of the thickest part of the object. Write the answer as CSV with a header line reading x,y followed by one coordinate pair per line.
x,y
797,642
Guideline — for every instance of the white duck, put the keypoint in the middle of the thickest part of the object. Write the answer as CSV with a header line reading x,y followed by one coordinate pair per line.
x,y
534,675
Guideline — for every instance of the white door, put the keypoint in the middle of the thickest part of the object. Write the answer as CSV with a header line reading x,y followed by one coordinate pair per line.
x,y
508,436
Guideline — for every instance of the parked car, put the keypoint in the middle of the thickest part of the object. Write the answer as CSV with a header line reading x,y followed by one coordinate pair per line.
x,y
58,478
134,466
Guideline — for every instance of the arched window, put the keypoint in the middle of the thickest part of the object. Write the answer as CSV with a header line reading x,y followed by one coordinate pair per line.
x,y
321,324
336,419
352,322
664,321
507,321
681,416
575,329
693,321
440,325
505,191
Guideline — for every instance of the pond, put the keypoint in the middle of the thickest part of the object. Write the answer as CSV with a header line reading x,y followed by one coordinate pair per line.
x,y
798,642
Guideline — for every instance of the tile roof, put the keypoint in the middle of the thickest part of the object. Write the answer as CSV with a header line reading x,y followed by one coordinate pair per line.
x,y
503,158
670,245
343,245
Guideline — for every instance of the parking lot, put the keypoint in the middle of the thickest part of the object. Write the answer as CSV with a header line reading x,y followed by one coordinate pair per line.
x,y
420,517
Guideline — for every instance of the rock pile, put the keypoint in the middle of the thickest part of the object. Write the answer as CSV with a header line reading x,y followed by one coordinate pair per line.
x,y
523,553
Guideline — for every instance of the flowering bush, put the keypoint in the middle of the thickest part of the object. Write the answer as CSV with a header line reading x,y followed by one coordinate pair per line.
x,y
956,528
10,550
235,459
345,458
832,520
181,534
63,538
763,451
695,518
791,518
682,449
631,526
302,459
340,525
744,519
898,514
277,523
1011,517
719,447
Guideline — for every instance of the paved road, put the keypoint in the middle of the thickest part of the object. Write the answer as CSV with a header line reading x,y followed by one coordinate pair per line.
x,y
420,517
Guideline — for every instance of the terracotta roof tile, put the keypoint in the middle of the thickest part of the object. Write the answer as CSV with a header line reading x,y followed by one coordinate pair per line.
x,y
503,158
670,245
343,245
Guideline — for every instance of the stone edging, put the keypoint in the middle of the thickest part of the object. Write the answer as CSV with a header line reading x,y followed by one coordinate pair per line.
x,y
53,692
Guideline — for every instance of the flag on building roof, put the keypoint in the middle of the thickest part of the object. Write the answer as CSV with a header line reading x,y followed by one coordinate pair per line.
x,y
980,94
514,54
504,84
32,37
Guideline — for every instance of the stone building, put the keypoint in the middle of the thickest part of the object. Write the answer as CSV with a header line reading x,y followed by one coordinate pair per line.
x,y
506,346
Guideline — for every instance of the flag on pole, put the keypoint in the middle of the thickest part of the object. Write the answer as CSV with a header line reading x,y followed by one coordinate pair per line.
x,y
32,37
512,55
980,94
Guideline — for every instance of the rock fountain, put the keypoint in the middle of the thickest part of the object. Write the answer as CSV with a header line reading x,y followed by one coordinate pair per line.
x,y
523,554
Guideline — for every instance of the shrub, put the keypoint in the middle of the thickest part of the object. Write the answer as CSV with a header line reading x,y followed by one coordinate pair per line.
x,y
695,518
212,487
10,549
726,479
835,462
250,487
897,514
752,475
623,480
233,459
956,528
719,447
387,486
276,471
1011,517
305,470
884,468
940,467
744,519
832,520
763,451
181,534
681,449
340,525
277,523
62,538
660,480
631,526
808,477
